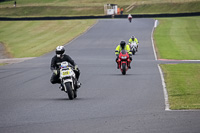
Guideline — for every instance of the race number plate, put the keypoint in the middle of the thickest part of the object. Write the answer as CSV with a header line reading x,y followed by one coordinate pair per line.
x,y
65,73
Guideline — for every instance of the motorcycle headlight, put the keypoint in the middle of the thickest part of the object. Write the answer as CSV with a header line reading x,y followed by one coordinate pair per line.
x,y
124,57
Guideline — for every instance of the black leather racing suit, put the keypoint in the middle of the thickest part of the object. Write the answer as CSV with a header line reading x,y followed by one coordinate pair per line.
x,y
55,63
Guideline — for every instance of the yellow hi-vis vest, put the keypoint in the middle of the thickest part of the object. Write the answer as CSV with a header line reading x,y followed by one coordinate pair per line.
x,y
135,40
118,49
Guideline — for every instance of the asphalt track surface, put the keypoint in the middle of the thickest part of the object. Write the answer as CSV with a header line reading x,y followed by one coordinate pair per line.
x,y
108,102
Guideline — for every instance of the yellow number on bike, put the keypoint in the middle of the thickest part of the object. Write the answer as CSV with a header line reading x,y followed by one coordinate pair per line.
x,y
66,73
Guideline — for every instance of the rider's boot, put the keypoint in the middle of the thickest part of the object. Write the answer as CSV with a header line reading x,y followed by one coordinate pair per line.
x,y
78,84
61,87
129,66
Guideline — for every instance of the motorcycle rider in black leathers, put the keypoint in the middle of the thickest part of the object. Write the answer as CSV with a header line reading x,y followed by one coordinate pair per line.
x,y
55,66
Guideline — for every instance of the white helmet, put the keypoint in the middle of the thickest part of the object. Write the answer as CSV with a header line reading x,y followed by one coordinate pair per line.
x,y
60,50
132,37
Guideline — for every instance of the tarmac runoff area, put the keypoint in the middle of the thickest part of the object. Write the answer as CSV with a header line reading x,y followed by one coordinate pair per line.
x,y
14,60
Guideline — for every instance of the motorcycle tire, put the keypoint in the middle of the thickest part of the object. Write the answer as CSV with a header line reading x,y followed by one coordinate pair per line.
x,y
75,93
70,92
133,52
123,68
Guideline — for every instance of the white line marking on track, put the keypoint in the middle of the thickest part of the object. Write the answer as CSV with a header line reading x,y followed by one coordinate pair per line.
x,y
152,42
156,23
161,74
164,89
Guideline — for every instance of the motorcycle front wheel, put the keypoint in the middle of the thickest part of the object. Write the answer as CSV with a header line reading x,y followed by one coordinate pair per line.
x,y
70,92
133,52
123,68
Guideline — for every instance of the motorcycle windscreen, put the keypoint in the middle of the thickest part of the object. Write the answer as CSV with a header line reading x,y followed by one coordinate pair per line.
x,y
123,51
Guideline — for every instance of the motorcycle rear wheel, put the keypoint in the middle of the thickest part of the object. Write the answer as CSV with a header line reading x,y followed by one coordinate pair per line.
x,y
70,92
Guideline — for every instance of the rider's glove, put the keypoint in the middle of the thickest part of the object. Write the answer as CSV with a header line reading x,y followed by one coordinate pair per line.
x,y
55,72
117,55
76,67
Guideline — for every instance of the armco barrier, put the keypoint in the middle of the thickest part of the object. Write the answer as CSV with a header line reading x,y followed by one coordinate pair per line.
x,y
160,15
101,17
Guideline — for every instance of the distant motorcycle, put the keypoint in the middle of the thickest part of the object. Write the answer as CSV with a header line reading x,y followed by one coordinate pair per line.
x,y
123,61
130,18
133,47
68,80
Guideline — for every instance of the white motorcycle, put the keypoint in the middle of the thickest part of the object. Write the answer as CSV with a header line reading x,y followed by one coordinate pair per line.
x,y
133,47
68,80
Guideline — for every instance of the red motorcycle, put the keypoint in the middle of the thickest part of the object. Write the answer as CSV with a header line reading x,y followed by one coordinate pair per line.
x,y
130,19
123,61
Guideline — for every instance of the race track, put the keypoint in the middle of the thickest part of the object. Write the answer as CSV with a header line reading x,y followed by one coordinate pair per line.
x,y
108,102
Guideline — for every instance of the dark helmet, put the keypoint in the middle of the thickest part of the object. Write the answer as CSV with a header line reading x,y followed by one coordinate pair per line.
x,y
132,37
122,44
60,50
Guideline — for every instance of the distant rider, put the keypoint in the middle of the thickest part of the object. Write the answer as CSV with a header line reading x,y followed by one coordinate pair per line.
x,y
56,62
134,39
118,49
129,18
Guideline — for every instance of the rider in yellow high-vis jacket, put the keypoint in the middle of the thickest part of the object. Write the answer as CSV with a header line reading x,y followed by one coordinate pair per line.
x,y
120,47
134,39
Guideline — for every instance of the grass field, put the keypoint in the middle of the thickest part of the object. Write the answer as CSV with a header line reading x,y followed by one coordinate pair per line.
x,y
2,64
178,38
158,8
94,7
36,38
183,85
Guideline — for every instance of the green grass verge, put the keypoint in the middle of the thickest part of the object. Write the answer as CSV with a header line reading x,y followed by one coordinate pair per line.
x,y
93,7
35,38
159,8
51,11
178,38
183,86
2,64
